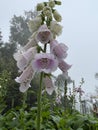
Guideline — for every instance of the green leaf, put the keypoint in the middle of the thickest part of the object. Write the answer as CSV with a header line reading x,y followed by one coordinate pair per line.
x,y
80,129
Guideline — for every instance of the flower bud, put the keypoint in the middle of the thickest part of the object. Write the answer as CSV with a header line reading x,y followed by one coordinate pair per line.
x,y
58,2
47,12
51,3
55,28
40,6
57,16
34,24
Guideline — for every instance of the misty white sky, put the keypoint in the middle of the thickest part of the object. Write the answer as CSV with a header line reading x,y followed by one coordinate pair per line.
x,y
80,34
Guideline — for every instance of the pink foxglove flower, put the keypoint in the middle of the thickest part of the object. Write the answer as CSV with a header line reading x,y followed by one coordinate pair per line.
x,y
23,58
44,34
53,43
32,42
49,85
24,87
26,76
59,50
64,66
45,62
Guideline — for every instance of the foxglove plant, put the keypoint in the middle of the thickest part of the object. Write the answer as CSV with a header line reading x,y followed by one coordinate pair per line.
x,y
80,91
34,57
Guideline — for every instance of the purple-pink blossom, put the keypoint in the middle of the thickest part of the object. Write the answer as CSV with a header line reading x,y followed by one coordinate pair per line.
x,y
26,76
44,34
49,85
59,50
24,86
64,66
23,58
45,62
31,43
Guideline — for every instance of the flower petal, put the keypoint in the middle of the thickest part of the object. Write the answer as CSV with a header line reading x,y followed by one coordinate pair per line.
x,y
45,62
24,58
64,66
27,75
32,42
49,85
24,87
59,50
44,34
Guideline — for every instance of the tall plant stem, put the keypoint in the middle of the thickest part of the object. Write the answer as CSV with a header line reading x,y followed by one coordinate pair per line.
x,y
65,95
39,103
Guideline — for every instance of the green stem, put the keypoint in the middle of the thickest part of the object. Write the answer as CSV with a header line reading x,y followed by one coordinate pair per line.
x,y
39,103
73,95
65,96
45,47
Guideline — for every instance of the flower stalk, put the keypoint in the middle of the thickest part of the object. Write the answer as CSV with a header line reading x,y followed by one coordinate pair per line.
x,y
39,102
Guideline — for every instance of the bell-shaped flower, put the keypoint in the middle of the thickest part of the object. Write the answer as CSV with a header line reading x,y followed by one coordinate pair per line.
x,y
24,58
53,43
55,28
44,34
24,86
26,76
34,24
64,66
59,50
45,62
31,43
48,85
